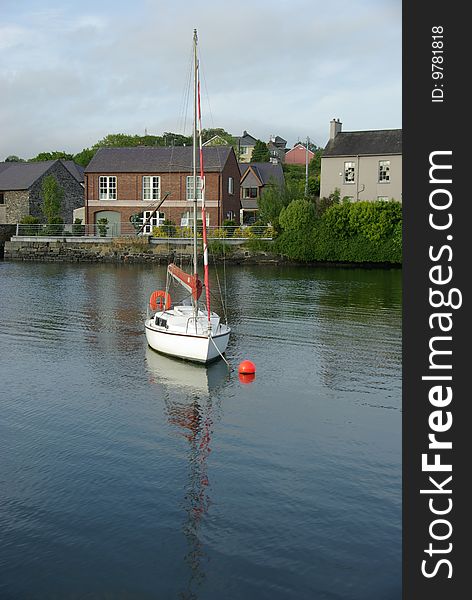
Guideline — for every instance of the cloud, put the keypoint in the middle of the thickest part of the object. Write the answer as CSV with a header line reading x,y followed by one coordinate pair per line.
x,y
71,74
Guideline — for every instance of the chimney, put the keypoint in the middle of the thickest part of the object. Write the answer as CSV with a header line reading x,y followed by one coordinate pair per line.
x,y
335,127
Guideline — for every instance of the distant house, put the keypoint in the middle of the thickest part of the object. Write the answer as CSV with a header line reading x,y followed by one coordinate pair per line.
x,y
297,155
216,140
363,165
255,177
246,145
120,182
277,148
21,183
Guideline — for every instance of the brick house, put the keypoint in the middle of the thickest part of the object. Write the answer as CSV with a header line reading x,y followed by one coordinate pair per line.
x,y
120,182
21,188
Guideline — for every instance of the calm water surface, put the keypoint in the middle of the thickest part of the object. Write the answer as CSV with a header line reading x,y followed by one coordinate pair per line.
x,y
125,474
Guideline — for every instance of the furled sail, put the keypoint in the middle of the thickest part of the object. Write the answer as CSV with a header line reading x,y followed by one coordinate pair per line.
x,y
190,282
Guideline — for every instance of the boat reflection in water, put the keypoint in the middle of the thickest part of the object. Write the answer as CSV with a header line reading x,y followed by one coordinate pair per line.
x,y
193,406
185,376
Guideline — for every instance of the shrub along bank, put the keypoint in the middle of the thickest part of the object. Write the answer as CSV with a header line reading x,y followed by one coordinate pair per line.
x,y
345,232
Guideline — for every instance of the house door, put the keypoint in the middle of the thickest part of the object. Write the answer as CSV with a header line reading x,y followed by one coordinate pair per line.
x,y
114,221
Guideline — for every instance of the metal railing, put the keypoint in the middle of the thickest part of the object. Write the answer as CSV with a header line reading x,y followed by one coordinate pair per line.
x,y
113,230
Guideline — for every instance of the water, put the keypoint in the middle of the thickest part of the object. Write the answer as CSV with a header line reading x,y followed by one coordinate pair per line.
x,y
129,475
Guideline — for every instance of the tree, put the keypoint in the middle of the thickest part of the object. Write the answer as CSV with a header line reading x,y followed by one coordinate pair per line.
x,y
261,152
274,198
52,156
14,158
85,156
52,194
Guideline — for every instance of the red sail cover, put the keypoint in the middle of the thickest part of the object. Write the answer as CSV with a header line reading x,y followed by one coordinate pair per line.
x,y
190,282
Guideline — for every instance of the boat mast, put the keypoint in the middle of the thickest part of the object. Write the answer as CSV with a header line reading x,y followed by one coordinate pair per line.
x,y
194,163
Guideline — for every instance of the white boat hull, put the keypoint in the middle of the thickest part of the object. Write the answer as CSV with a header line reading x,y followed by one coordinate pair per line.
x,y
195,347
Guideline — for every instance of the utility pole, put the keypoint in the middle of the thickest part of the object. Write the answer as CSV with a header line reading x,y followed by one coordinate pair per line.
x,y
306,166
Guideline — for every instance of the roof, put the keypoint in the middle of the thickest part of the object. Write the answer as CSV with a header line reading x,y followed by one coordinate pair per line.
x,y
74,169
249,203
352,143
214,139
300,146
22,175
246,139
265,171
278,141
151,159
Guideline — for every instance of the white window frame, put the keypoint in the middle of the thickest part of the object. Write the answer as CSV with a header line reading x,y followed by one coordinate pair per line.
x,y
187,219
230,185
189,187
349,172
107,187
243,150
157,219
246,193
384,171
151,187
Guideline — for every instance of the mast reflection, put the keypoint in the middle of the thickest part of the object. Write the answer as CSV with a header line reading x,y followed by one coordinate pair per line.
x,y
192,406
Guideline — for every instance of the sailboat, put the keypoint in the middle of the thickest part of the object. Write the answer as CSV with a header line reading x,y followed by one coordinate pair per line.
x,y
189,331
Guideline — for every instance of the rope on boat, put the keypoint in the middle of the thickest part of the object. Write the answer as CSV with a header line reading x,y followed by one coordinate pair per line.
x,y
218,350
223,302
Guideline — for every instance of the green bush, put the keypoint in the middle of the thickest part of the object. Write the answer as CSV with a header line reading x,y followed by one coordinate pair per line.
x,y
29,220
77,228
231,226
55,226
218,248
102,226
347,232
218,233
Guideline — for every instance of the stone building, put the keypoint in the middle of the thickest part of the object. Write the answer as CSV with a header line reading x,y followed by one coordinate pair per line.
x,y
21,188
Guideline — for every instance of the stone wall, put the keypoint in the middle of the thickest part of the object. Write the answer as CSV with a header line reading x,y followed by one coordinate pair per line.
x,y
122,251
16,205
74,194
6,232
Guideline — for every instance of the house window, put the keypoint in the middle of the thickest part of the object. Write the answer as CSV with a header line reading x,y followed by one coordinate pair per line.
x,y
243,150
187,219
349,172
250,192
107,188
157,219
230,185
2,198
384,171
151,188
190,194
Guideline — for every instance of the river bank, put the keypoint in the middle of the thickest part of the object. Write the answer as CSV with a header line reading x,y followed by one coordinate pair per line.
x,y
143,250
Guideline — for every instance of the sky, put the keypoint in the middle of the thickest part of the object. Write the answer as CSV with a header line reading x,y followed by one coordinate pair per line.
x,y
72,72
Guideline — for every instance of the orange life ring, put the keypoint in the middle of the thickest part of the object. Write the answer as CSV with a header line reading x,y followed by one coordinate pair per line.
x,y
156,301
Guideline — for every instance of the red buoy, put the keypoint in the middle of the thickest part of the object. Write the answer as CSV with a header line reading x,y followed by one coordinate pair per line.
x,y
246,377
247,368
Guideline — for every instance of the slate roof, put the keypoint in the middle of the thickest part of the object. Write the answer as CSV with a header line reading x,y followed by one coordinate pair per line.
x,y
278,141
151,159
352,143
22,175
246,139
265,171
249,203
